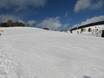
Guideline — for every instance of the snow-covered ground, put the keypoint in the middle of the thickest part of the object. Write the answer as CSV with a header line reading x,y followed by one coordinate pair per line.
x,y
37,53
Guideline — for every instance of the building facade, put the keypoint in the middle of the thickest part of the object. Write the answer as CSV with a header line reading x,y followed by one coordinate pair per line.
x,y
92,29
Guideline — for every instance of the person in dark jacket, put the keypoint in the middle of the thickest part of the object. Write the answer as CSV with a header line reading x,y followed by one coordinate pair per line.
x,y
102,35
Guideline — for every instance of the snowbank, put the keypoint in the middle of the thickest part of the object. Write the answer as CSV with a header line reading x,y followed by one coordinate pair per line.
x,y
51,54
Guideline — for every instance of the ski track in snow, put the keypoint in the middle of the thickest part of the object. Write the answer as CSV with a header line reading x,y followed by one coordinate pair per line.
x,y
51,54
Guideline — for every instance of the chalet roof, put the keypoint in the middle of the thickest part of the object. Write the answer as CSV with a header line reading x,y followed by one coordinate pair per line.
x,y
88,25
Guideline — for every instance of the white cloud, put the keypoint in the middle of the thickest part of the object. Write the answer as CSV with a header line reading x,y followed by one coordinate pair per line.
x,y
82,4
51,23
88,4
32,22
21,4
91,20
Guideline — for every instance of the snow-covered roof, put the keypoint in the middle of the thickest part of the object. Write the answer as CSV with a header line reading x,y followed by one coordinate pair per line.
x,y
88,25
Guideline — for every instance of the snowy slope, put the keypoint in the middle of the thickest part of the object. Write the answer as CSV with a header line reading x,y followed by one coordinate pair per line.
x,y
51,54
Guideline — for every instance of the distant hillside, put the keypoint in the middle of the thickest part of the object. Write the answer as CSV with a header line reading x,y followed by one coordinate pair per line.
x,y
10,23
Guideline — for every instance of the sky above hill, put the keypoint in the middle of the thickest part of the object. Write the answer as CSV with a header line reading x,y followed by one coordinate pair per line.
x,y
55,12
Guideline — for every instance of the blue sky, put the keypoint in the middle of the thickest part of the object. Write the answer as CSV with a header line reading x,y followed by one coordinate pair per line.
x,y
68,12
